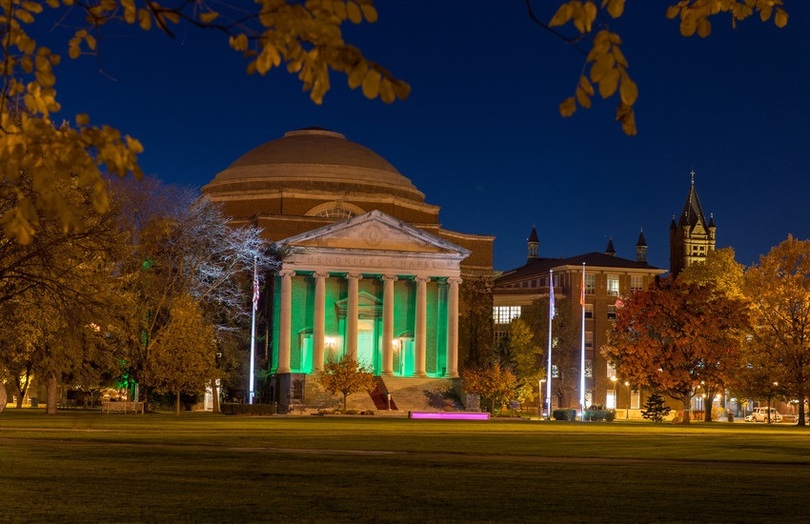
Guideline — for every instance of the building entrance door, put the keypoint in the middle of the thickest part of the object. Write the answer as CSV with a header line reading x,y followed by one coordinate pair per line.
x,y
366,345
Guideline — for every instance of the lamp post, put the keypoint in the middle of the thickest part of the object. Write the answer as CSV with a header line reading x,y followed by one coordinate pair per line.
x,y
627,409
542,404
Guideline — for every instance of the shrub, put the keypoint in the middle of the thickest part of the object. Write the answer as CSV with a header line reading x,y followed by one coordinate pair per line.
x,y
564,414
598,414
248,409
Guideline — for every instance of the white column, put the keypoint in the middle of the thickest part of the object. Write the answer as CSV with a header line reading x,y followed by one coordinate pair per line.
x,y
351,314
420,330
452,327
285,321
388,324
318,320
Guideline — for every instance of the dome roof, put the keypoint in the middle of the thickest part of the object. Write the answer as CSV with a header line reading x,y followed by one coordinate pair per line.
x,y
315,159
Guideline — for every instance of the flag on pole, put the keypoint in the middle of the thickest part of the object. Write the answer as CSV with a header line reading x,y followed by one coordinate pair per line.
x,y
582,288
255,292
551,309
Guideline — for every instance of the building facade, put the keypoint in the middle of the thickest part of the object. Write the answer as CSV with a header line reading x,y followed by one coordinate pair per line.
x,y
369,271
607,277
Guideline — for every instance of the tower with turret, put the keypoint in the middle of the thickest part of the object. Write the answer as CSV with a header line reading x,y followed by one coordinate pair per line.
x,y
691,236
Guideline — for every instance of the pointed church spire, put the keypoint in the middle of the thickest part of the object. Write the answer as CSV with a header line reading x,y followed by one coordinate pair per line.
x,y
534,244
641,247
693,237
692,211
610,250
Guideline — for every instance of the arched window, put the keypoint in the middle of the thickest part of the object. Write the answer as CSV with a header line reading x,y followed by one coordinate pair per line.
x,y
335,209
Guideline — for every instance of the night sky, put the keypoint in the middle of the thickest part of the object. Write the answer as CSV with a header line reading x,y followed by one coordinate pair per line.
x,y
480,134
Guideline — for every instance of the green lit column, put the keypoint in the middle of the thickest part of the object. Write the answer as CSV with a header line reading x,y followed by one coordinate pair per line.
x,y
351,314
388,324
318,320
420,330
285,321
452,327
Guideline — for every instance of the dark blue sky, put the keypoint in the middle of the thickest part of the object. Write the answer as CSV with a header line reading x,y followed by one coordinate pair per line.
x,y
480,134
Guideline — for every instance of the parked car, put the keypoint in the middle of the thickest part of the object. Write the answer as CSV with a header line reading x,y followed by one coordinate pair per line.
x,y
761,415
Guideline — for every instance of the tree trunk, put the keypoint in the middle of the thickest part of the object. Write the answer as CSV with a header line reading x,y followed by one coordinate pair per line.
x,y
52,387
3,397
178,404
802,415
344,402
215,399
708,402
20,395
686,407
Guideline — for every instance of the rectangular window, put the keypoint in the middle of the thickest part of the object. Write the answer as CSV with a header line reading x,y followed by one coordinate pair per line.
x,y
610,401
635,399
611,370
505,314
555,372
588,310
613,285
589,339
612,312
590,284
588,368
636,282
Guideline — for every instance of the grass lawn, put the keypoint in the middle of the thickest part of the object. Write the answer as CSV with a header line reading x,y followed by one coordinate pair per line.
x,y
89,467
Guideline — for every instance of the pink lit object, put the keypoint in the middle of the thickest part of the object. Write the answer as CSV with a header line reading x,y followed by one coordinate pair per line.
x,y
447,416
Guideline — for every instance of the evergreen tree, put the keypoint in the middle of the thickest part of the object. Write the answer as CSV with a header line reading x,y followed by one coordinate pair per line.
x,y
656,410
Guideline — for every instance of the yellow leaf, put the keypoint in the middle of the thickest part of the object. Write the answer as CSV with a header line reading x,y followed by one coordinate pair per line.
x,y
615,8
370,12
82,119
628,91
601,67
688,26
765,13
353,12
357,75
585,85
568,107
672,11
144,19
609,83
704,27
562,16
583,98
207,18
387,94
91,42
238,42
781,18
371,84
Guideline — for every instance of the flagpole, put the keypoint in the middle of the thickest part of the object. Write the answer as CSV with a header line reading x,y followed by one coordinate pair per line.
x,y
255,303
551,313
582,346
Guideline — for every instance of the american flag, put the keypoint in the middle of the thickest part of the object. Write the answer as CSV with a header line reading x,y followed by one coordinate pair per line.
x,y
255,292
551,310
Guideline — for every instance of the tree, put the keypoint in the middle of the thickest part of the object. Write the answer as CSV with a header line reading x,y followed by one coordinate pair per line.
x,y
494,383
186,246
306,37
675,337
655,408
182,357
720,271
779,289
606,67
475,320
565,343
345,376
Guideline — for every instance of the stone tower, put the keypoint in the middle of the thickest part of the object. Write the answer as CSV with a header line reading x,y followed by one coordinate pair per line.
x,y
691,236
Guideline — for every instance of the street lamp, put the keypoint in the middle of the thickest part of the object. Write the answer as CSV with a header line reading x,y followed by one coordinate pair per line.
x,y
542,404
615,396
627,410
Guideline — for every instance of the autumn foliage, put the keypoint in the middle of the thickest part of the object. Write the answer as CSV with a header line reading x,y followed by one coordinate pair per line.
x,y
676,337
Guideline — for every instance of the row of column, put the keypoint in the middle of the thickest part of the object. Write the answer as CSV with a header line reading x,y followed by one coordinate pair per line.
x,y
420,328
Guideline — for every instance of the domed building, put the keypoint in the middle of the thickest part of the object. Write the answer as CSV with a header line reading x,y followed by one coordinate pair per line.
x,y
369,271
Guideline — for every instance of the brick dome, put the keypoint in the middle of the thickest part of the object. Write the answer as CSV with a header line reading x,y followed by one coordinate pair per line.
x,y
313,159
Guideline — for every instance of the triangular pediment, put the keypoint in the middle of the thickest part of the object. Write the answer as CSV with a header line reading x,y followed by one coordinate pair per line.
x,y
368,306
373,231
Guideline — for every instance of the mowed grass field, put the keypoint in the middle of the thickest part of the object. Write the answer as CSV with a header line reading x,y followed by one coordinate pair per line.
x,y
200,467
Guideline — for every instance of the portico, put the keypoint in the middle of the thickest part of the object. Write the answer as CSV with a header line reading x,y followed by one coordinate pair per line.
x,y
372,287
